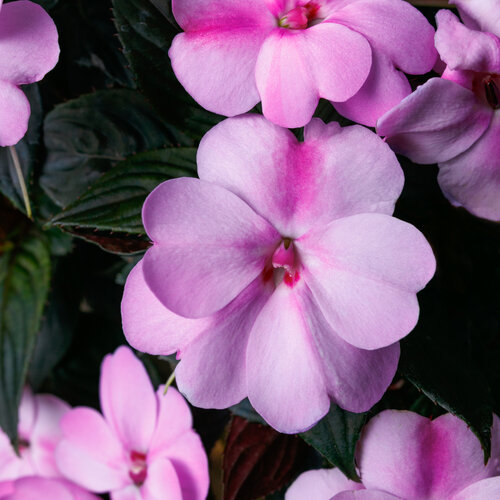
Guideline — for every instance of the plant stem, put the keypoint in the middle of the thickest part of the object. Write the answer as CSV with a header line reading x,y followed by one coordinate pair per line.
x,y
19,172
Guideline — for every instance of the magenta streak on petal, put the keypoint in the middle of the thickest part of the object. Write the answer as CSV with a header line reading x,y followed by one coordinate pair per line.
x,y
139,469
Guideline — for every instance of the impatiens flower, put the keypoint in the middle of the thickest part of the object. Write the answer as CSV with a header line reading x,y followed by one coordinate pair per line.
x,y
39,435
455,120
280,275
28,50
404,456
142,447
289,53
38,488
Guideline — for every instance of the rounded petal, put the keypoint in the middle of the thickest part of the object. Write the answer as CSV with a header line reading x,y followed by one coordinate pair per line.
x,y
190,462
297,67
35,488
437,122
209,246
285,381
394,28
384,88
46,433
162,482
212,372
320,484
364,272
413,457
482,490
480,14
128,400
14,114
355,378
464,49
335,172
90,454
148,325
472,179
365,495
28,43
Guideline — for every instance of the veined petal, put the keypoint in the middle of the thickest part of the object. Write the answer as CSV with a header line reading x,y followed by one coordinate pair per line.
x,y
14,114
364,272
464,49
335,172
297,67
128,400
28,43
437,122
209,246
480,14
472,179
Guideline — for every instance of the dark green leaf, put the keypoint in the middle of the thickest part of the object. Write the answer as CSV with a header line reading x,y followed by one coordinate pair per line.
x,y
89,135
146,30
336,436
24,285
115,201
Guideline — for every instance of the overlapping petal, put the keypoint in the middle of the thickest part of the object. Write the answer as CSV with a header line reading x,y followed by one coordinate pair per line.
x,y
483,15
484,489
437,122
14,114
365,495
162,482
208,243
336,171
364,272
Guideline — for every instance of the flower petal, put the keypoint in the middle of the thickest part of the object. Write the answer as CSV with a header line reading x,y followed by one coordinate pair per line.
x,y
384,88
285,381
148,325
480,14
437,122
14,114
28,43
394,28
472,179
128,400
90,454
297,67
482,490
320,484
27,413
364,272
209,245
162,482
335,172
365,495
212,371
36,488
464,49
413,457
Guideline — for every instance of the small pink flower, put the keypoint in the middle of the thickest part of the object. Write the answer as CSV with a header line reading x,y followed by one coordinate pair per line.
x,y
289,53
280,274
142,448
404,456
38,488
28,50
455,120
39,435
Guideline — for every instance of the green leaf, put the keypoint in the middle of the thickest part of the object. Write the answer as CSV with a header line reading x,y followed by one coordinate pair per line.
x,y
24,285
146,29
86,137
115,201
336,436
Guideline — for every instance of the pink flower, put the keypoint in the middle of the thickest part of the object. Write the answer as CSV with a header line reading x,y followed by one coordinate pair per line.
x,y
38,488
289,53
142,448
279,274
28,50
39,435
455,120
404,456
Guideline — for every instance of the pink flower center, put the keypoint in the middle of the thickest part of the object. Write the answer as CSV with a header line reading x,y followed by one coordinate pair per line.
x,y
284,265
487,88
303,15
138,471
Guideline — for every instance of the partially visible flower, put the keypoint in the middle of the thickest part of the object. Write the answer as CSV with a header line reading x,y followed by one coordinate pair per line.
x,y
28,50
289,53
39,488
39,434
142,447
280,274
455,120
404,456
